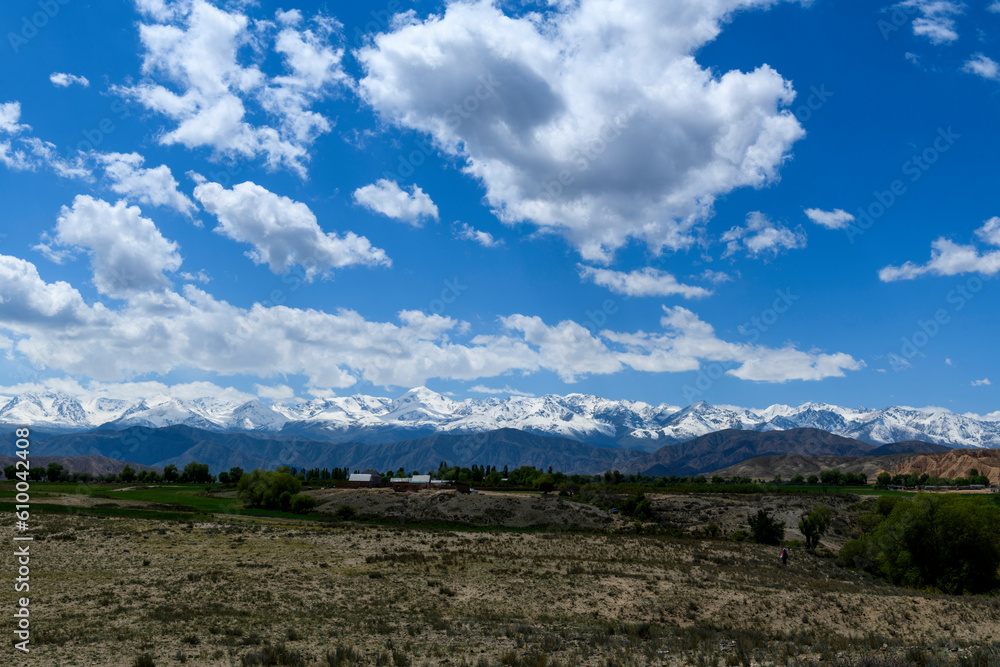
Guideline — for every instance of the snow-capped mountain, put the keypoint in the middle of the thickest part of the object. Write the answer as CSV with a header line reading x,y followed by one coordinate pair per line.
x,y
420,411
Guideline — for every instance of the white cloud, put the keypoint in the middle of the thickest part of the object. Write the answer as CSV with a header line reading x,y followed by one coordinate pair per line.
x,y
386,197
949,258
948,361
588,121
161,332
994,7
281,392
284,233
200,277
198,49
149,186
985,382
981,65
467,232
23,152
936,21
63,80
641,282
715,277
506,391
128,391
128,253
835,219
762,236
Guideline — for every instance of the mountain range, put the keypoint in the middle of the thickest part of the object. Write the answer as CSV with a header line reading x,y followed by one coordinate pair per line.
x,y
179,445
421,413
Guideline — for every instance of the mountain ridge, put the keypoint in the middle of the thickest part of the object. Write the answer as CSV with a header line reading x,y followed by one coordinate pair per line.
x,y
420,412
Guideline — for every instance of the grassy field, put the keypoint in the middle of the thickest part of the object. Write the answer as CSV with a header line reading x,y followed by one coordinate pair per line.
x,y
216,587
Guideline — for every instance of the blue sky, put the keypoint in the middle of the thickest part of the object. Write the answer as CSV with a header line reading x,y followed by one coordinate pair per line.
x,y
739,202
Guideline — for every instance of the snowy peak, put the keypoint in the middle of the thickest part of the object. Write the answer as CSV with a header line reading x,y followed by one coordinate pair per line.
x,y
590,419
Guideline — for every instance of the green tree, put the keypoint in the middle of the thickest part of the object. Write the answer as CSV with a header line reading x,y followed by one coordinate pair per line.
x,y
301,503
883,480
545,483
638,506
267,489
798,479
10,472
37,474
127,474
196,473
951,543
812,479
170,473
765,529
53,471
814,524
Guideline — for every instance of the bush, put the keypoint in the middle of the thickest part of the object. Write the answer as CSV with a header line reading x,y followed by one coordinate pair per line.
x,y
301,503
346,513
739,536
765,529
814,525
886,504
951,543
638,507
270,490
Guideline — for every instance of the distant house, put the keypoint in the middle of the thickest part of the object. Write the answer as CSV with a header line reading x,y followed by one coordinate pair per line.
x,y
369,479
414,483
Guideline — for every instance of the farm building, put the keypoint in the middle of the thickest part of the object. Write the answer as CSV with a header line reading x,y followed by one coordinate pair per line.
x,y
414,483
364,480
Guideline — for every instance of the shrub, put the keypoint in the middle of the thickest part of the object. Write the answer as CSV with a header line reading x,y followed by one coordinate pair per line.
x,y
144,660
886,504
638,506
301,503
346,513
765,529
814,525
951,543
740,536
267,489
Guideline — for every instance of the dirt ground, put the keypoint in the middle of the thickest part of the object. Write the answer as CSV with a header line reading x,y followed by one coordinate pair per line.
x,y
507,510
227,592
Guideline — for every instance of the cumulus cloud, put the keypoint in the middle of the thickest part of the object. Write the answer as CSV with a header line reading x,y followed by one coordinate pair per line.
x,y
157,332
506,391
284,233
198,76
467,232
761,236
936,21
148,186
281,392
641,282
386,197
587,121
983,66
63,80
128,253
20,151
715,277
949,258
985,382
835,219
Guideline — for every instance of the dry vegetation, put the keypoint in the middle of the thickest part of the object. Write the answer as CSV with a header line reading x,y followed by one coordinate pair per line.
x,y
254,591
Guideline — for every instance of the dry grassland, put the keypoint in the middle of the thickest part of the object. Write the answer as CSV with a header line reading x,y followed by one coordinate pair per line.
x,y
242,592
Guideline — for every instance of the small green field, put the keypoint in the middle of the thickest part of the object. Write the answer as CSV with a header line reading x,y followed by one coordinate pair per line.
x,y
173,501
